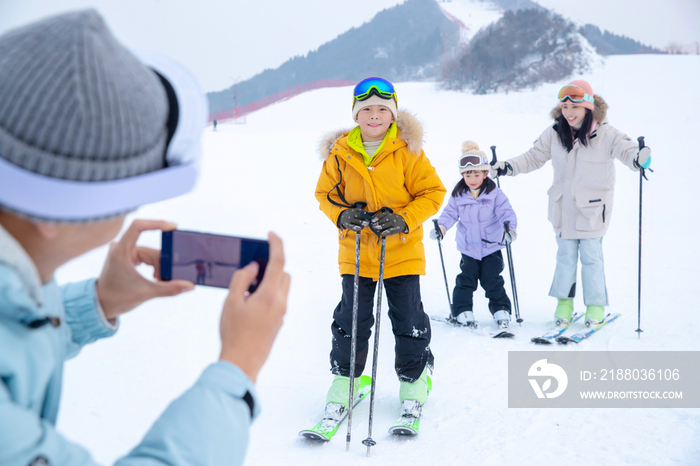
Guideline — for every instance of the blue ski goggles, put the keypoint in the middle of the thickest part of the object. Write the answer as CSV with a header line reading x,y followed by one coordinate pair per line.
x,y
374,86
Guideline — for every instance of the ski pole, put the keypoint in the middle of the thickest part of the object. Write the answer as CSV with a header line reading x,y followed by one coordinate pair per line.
x,y
353,338
368,441
442,260
494,159
639,330
511,271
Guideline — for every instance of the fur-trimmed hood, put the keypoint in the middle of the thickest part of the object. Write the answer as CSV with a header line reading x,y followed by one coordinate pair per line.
x,y
410,131
600,110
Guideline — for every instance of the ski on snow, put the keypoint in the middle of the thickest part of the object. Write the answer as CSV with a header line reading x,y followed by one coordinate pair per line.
x,y
547,338
586,333
449,321
328,426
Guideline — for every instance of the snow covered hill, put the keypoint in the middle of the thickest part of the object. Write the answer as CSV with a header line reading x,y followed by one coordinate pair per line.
x,y
472,15
261,176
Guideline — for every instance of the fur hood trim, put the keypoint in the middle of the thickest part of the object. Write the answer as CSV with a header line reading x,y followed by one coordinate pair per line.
x,y
600,110
410,131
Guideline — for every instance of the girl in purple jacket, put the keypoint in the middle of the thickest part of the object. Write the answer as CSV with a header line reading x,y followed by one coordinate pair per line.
x,y
480,210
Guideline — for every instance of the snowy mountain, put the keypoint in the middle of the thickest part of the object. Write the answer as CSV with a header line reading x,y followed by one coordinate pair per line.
x,y
522,49
411,41
520,44
607,43
261,176
403,43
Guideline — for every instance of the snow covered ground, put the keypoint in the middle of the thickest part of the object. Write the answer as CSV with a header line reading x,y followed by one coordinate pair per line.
x,y
261,176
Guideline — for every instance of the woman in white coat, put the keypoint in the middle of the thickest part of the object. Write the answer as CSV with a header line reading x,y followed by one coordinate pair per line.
x,y
582,147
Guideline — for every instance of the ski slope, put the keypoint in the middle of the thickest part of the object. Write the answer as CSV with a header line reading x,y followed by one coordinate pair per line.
x,y
472,14
261,176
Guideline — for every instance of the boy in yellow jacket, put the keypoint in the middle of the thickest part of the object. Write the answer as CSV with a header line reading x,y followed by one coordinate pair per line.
x,y
381,163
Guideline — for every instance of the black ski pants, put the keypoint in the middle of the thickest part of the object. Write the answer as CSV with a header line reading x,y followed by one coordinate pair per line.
x,y
410,323
488,272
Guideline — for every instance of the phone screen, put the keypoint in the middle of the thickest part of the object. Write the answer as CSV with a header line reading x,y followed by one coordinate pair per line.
x,y
207,259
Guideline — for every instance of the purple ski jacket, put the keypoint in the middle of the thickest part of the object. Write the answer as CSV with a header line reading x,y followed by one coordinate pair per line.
x,y
479,221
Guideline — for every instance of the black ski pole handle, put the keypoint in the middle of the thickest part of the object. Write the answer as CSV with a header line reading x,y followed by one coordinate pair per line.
x,y
494,159
642,171
506,229
437,229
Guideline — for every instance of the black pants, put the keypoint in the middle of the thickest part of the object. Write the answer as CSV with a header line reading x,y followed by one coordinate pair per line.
x,y
411,326
488,272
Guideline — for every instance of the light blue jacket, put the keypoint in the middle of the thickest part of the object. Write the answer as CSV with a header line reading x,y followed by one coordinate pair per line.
x,y
479,221
41,326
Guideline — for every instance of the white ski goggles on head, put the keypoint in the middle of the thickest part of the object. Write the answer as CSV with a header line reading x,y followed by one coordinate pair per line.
x,y
67,200
473,160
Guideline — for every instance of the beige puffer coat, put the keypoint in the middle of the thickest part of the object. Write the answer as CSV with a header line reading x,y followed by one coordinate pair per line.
x,y
581,196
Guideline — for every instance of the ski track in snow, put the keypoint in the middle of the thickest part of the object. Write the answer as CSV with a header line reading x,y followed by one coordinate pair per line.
x,y
261,176
473,14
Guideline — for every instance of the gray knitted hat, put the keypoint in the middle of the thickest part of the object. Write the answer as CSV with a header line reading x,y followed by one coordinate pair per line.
x,y
76,105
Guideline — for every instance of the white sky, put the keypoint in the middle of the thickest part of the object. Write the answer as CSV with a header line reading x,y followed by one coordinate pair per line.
x,y
223,40
220,40
652,22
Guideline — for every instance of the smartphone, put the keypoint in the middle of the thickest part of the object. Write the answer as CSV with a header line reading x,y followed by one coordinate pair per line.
x,y
208,259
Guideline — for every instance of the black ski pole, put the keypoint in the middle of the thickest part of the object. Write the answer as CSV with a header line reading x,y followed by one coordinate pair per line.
x,y
511,271
442,260
353,337
369,441
639,330
494,159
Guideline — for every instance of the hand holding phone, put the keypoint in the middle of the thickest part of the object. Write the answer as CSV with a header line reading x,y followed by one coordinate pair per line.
x,y
210,260
120,287
250,322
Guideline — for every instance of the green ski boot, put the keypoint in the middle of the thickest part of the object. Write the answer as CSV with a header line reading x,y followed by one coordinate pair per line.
x,y
594,315
336,411
562,316
339,392
417,390
412,396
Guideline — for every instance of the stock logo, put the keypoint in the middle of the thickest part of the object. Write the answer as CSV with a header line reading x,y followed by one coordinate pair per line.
x,y
541,369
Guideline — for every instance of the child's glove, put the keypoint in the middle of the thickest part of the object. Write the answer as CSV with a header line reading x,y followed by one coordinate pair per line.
x,y
643,159
353,219
389,223
501,168
435,234
510,236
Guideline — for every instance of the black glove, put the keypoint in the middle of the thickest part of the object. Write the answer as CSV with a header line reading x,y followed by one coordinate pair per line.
x,y
353,219
389,223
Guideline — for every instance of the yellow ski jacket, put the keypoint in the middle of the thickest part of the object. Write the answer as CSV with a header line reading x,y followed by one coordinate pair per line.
x,y
400,177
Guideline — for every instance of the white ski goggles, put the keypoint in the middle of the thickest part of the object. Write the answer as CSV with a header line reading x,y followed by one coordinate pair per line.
x,y
473,160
